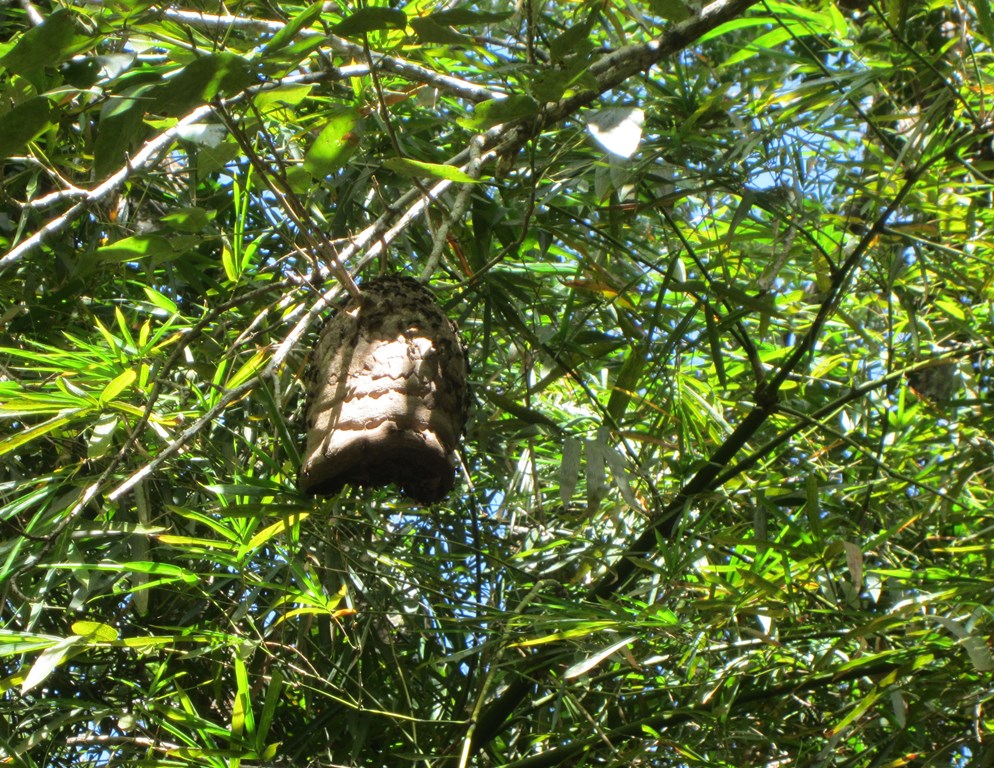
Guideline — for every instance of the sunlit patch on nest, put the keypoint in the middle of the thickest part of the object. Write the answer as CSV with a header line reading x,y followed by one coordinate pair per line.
x,y
387,396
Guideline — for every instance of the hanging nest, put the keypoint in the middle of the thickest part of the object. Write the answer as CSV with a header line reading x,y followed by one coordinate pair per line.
x,y
387,396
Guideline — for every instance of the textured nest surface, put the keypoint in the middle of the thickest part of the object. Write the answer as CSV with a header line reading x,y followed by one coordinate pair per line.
x,y
387,398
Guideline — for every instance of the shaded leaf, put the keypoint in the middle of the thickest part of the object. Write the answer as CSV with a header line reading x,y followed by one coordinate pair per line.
x,y
464,17
43,46
430,31
370,20
24,123
220,74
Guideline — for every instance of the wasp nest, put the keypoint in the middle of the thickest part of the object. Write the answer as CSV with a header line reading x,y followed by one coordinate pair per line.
x,y
387,396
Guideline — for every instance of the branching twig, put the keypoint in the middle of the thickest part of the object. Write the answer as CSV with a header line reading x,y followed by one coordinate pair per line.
x,y
406,69
459,208
144,159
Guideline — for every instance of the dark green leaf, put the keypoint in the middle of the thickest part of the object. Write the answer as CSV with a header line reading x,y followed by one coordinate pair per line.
x,y
190,219
290,95
463,17
221,74
370,20
670,10
43,46
431,32
119,130
23,123
575,40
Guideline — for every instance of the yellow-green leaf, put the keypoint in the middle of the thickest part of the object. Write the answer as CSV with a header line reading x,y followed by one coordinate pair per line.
x,y
26,436
118,385
95,632
274,530
416,169
248,370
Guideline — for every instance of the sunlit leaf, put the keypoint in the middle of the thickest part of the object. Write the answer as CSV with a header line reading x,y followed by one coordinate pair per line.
x,y
118,385
335,144
416,168
497,111
46,662
95,632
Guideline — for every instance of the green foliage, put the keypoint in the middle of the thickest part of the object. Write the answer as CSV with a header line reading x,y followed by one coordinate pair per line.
x,y
725,282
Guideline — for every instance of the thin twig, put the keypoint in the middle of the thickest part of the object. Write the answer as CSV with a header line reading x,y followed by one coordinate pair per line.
x,y
145,158
454,85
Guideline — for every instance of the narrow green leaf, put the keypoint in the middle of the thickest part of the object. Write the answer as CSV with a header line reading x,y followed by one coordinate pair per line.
x,y
335,144
370,20
771,39
25,436
269,705
230,264
416,169
497,111
118,385
714,342
585,629
585,665
302,20
162,570
95,632
248,369
983,8
160,300
43,46
569,469
626,382
17,643
270,531
23,124
241,708
46,663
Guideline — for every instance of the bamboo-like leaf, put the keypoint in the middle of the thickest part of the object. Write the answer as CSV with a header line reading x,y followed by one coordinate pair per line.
x,y
271,531
47,661
120,383
416,168
39,430
585,665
